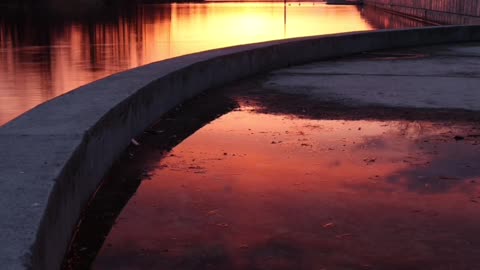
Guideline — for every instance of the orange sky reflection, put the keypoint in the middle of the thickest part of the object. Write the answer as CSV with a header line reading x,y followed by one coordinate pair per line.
x,y
258,191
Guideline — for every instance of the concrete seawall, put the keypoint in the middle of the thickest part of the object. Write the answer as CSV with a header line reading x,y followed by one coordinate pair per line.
x,y
54,157
445,12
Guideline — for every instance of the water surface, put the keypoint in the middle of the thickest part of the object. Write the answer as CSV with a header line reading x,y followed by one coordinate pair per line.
x,y
260,191
41,57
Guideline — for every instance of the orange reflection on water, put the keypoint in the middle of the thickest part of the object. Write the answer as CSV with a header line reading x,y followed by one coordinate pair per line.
x,y
41,60
257,191
34,69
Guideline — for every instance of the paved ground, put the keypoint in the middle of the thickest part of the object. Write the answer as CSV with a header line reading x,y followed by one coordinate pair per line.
x,y
433,77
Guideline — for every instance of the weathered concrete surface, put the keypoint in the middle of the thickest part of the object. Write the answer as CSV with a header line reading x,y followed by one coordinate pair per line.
x,y
433,77
54,157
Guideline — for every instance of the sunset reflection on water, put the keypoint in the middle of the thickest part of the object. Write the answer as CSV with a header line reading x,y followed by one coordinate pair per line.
x,y
261,191
44,59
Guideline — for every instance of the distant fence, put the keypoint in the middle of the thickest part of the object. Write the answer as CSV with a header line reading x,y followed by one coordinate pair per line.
x,y
441,11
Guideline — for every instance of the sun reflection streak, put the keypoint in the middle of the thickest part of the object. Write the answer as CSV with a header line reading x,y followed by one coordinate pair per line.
x,y
35,68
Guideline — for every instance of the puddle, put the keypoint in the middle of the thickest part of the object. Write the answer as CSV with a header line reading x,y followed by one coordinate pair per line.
x,y
264,191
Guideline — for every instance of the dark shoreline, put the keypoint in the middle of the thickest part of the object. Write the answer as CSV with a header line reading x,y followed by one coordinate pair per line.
x,y
55,10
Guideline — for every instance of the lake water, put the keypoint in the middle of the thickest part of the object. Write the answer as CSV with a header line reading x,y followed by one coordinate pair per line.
x,y
42,58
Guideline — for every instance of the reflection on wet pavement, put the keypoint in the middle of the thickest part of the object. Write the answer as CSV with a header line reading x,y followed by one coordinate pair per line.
x,y
263,191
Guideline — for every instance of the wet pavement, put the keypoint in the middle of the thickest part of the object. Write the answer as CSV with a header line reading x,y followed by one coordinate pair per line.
x,y
304,194
278,173
432,77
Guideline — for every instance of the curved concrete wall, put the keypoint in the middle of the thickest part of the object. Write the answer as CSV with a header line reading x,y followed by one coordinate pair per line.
x,y
445,12
54,157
